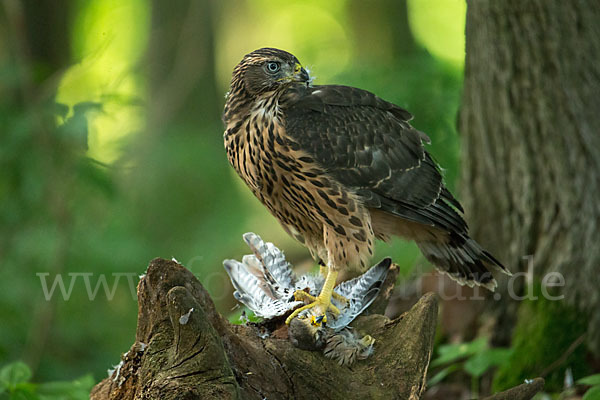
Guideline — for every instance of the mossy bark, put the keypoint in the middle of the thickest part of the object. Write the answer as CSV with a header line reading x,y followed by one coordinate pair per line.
x,y
546,342
180,354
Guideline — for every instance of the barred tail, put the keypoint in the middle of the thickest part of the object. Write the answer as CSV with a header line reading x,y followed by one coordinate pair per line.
x,y
463,259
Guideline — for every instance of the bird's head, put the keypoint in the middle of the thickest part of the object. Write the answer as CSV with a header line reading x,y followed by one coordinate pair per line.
x,y
308,333
268,69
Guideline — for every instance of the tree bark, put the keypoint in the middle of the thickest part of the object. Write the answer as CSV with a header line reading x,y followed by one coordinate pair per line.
x,y
180,354
531,150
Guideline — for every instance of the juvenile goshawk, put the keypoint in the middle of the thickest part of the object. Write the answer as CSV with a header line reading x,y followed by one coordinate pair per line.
x,y
339,167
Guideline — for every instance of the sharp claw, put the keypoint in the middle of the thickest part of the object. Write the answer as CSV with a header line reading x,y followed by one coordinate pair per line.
x,y
340,298
323,305
323,301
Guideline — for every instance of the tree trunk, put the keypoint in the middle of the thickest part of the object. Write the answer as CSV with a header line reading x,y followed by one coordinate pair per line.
x,y
203,356
531,150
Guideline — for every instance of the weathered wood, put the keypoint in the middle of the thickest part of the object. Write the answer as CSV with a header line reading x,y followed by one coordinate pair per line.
x,y
525,391
199,354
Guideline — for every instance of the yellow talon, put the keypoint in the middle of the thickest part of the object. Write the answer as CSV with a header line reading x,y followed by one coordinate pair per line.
x,y
301,295
367,340
339,298
321,303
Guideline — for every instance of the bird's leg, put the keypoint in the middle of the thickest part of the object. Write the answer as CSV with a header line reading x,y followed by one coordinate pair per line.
x,y
301,295
323,270
322,302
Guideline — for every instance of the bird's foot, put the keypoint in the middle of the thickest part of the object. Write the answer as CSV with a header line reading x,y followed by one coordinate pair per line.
x,y
301,295
340,298
367,341
320,305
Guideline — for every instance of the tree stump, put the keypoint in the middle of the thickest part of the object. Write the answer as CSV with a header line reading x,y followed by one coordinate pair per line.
x,y
198,354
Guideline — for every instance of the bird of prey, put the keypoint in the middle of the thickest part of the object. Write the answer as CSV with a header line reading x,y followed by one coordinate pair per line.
x,y
339,167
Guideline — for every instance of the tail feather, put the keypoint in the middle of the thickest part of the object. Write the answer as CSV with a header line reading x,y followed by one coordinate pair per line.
x,y
463,259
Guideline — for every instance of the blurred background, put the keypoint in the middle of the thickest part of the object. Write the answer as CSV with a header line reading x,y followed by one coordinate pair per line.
x,y
111,149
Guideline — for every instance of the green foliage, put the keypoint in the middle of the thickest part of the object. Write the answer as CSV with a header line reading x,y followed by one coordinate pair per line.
x,y
544,331
448,353
591,380
15,385
474,358
479,363
592,393
242,315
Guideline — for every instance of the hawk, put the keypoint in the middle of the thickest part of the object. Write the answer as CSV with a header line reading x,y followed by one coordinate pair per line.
x,y
339,167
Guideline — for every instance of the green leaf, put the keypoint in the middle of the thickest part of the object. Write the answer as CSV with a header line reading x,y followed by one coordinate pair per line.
x,y
592,394
24,391
77,389
454,352
590,380
479,363
13,374
441,375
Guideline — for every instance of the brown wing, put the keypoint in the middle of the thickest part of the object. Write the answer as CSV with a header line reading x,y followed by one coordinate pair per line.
x,y
368,145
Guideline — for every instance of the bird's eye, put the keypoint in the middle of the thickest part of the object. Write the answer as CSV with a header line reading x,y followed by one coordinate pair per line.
x,y
273,67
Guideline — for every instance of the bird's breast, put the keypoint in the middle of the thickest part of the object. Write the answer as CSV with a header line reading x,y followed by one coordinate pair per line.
x,y
297,190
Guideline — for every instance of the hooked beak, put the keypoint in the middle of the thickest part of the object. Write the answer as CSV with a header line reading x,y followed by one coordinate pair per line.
x,y
317,321
300,74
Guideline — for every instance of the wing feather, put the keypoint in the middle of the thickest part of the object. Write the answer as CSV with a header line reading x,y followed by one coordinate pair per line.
x,y
368,145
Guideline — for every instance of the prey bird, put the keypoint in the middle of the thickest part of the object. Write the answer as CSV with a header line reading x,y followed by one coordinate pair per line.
x,y
339,167
264,282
